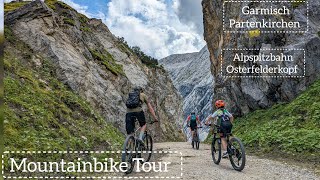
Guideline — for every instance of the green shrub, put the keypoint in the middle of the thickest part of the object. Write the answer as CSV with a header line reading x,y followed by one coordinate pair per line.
x,y
13,5
82,18
51,4
145,59
69,21
108,61
86,29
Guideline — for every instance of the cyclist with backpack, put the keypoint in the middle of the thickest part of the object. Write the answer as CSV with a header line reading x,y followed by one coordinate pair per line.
x,y
134,111
224,119
192,120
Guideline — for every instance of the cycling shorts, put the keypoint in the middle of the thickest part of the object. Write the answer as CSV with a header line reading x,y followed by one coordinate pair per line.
x,y
131,119
225,129
193,126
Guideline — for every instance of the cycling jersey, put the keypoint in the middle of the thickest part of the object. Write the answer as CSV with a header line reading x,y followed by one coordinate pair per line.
x,y
193,122
218,113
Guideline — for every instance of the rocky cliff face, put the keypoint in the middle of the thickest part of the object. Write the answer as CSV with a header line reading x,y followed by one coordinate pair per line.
x,y
192,77
246,94
90,60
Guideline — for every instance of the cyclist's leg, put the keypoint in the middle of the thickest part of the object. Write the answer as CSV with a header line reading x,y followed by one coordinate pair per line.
x,y
224,131
192,130
223,143
130,123
142,123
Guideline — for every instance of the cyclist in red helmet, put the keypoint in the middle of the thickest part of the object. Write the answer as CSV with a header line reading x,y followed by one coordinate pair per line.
x,y
224,119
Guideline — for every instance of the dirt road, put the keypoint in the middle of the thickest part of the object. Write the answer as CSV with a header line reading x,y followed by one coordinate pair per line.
x,y
197,164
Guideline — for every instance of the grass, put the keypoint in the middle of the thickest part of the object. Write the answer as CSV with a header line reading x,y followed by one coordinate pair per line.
x,y
287,129
69,21
108,61
85,29
54,3
51,4
8,34
13,6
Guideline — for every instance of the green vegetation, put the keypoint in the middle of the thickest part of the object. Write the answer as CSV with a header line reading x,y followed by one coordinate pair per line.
x,y
297,3
8,34
64,5
86,29
69,21
51,4
13,5
41,113
82,18
145,59
287,129
108,61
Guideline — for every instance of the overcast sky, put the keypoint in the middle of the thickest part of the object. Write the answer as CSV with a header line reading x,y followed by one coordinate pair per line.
x,y
159,27
1,16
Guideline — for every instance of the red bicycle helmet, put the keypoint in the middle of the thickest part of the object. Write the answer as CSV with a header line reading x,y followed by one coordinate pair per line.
x,y
220,103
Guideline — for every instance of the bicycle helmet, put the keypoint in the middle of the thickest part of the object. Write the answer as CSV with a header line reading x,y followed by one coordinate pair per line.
x,y
220,104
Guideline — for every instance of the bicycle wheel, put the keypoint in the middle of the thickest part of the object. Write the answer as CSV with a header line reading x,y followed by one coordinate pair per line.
x,y
147,150
129,153
197,142
216,150
237,154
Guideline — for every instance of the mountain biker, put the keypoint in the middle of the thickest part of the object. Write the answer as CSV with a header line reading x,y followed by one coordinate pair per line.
x,y
224,119
134,111
192,120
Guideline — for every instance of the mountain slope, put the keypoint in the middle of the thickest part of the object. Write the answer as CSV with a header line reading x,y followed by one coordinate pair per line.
x,y
285,129
191,75
41,113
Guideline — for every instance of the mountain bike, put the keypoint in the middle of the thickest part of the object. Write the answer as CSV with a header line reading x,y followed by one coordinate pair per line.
x,y
235,149
195,139
135,148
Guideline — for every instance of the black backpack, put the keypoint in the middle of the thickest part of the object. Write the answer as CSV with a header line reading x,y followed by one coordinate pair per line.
x,y
133,100
225,120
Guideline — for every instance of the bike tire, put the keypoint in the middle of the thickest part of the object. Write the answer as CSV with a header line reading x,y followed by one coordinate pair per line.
x,y
197,142
242,156
148,142
128,153
216,150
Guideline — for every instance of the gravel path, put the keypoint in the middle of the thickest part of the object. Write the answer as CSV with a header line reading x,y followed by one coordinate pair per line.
x,y
197,164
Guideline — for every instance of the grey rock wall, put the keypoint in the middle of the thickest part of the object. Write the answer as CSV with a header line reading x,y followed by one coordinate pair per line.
x,y
247,94
192,77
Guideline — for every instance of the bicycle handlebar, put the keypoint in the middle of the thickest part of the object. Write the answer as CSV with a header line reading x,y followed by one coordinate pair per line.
x,y
214,125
